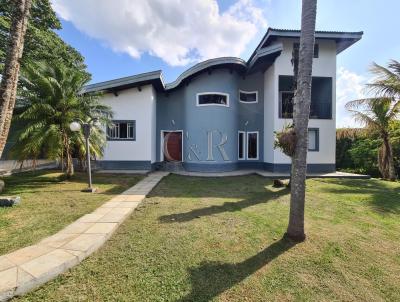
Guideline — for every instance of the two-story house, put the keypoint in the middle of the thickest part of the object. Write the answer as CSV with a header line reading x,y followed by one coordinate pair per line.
x,y
221,114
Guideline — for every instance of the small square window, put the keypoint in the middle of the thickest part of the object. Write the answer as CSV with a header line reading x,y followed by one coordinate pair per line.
x,y
213,98
248,96
122,130
313,139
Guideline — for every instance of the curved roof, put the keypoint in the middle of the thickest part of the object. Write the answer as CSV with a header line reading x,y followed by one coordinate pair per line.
x,y
200,67
155,77
262,57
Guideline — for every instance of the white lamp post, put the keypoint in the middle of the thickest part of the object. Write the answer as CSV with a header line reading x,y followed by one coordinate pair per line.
x,y
76,126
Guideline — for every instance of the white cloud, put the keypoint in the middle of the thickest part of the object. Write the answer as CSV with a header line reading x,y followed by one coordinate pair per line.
x,y
178,31
349,86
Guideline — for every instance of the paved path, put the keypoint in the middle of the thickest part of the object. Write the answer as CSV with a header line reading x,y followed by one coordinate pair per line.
x,y
29,267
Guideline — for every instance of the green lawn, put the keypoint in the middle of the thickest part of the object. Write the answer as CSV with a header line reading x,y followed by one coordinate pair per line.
x,y
49,203
198,239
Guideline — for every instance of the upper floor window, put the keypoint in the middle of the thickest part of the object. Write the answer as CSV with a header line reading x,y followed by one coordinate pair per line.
x,y
122,130
213,99
286,104
248,96
321,97
296,48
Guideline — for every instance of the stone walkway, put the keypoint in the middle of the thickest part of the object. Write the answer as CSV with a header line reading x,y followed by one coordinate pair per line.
x,y
30,267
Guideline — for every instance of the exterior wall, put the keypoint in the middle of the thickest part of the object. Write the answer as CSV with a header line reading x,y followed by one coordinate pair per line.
x,y
324,66
269,111
178,110
132,104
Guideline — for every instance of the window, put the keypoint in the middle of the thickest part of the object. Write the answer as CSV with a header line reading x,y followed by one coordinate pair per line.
x,y
321,97
241,144
296,48
248,96
122,130
313,139
252,145
286,104
213,99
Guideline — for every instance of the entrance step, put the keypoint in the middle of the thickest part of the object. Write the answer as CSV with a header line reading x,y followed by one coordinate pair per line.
x,y
171,166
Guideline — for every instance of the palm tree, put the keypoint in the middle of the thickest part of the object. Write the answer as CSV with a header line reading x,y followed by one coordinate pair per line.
x,y
387,81
301,113
377,114
50,102
8,87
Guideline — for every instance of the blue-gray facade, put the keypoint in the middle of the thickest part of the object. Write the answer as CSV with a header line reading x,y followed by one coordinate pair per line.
x,y
210,131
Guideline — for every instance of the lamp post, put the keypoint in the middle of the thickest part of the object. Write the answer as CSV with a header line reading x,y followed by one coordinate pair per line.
x,y
76,126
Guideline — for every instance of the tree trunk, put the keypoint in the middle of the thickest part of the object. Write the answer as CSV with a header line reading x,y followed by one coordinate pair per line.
x,y
8,87
68,157
301,112
386,160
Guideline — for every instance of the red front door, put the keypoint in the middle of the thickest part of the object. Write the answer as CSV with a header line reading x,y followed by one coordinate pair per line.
x,y
173,146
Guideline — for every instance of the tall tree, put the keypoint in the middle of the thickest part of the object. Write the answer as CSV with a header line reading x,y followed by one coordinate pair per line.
x,y
301,113
41,41
377,114
9,81
50,103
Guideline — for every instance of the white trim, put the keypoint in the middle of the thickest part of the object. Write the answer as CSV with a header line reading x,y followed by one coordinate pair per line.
x,y
244,145
247,145
162,143
207,93
248,92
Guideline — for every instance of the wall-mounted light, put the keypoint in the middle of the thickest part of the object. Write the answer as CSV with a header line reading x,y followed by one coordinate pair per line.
x,y
246,123
173,122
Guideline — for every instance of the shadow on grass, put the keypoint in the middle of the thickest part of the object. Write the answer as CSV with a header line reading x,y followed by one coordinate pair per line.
x,y
383,196
255,199
42,180
213,278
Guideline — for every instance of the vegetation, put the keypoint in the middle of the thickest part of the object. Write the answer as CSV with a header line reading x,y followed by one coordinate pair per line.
x,y
219,239
301,113
379,112
13,54
49,203
357,149
50,103
42,42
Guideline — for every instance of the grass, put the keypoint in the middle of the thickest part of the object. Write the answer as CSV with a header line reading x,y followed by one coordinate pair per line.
x,y
48,203
197,239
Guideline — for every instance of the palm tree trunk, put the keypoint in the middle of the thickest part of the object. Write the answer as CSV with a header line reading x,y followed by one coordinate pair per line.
x,y
8,87
388,154
68,156
302,101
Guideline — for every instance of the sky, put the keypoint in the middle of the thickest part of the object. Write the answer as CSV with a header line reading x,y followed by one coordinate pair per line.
x,y
124,37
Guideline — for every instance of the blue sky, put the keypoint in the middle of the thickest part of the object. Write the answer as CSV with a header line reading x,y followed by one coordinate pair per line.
x,y
146,43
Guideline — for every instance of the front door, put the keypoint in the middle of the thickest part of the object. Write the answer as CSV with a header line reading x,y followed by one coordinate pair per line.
x,y
172,146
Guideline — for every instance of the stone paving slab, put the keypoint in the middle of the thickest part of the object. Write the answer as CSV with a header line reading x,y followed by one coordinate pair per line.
x,y
32,266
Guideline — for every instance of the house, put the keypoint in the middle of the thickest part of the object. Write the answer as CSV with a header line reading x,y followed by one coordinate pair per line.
x,y
221,114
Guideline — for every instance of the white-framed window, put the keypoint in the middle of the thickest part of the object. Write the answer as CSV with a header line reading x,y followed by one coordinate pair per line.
x,y
313,139
122,130
241,145
248,97
213,99
252,145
